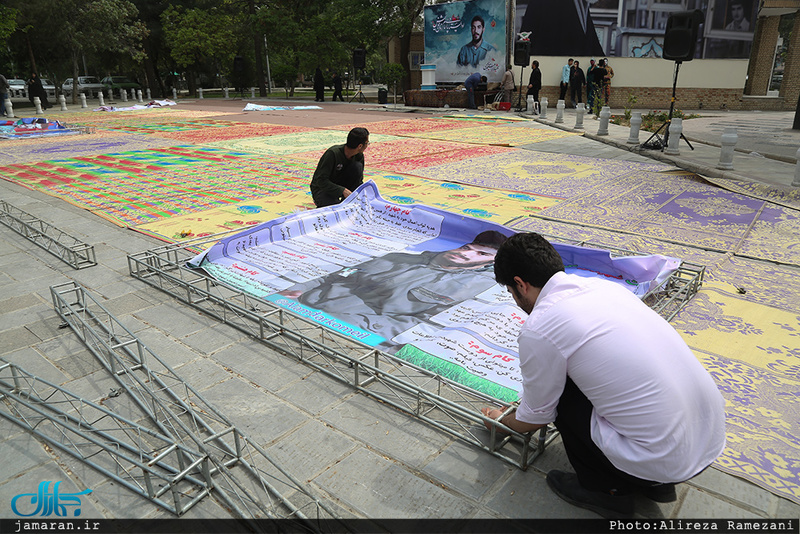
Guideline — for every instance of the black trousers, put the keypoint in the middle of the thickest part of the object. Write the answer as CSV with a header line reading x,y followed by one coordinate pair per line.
x,y
595,471
563,94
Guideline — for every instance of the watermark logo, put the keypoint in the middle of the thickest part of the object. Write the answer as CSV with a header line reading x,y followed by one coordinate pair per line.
x,y
46,502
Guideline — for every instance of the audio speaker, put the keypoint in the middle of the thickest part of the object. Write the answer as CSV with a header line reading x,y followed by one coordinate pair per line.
x,y
238,64
680,36
359,58
522,53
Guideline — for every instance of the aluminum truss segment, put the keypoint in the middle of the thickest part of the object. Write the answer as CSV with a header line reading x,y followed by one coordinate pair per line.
x,y
146,462
58,243
446,405
250,482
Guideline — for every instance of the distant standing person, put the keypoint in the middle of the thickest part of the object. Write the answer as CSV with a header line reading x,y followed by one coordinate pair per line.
x,y
576,83
535,81
565,73
508,83
590,83
607,80
319,85
340,169
474,51
337,87
35,89
470,84
599,82
3,93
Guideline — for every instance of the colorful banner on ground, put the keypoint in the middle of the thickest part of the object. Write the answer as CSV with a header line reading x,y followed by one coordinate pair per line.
x,y
466,37
413,280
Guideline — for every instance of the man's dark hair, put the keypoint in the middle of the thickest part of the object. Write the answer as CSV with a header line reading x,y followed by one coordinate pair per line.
x,y
489,238
529,256
535,62
483,78
477,17
357,136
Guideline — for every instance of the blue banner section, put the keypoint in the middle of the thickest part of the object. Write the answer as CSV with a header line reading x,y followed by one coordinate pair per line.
x,y
368,338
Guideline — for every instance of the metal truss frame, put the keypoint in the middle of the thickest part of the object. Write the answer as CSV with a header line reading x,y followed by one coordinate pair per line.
x,y
140,459
58,243
237,469
446,405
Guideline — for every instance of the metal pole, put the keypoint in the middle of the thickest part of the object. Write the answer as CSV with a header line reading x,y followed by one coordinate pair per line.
x,y
269,75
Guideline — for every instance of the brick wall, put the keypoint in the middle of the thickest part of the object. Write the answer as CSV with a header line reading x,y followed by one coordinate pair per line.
x,y
685,99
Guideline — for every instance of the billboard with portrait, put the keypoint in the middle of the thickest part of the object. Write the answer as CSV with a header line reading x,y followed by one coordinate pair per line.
x,y
462,38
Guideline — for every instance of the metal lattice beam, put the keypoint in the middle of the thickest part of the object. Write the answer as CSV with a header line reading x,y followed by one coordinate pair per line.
x,y
250,482
146,462
58,243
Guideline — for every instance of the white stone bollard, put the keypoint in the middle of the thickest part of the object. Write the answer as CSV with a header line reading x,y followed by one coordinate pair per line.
x,y
38,103
200,93
225,90
580,111
9,109
62,102
83,101
543,107
124,93
139,96
636,124
675,131
605,115
252,92
795,182
149,98
560,105
728,144
100,97
529,102
110,95
174,94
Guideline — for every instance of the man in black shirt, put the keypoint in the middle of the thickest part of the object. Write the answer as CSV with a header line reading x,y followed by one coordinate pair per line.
x,y
340,169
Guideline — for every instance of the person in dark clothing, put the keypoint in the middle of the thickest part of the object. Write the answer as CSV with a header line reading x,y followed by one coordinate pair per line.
x,y
340,169
337,87
590,83
535,81
319,85
470,84
576,84
35,89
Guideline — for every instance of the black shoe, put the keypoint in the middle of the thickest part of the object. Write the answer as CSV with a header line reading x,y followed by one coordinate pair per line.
x,y
661,493
566,486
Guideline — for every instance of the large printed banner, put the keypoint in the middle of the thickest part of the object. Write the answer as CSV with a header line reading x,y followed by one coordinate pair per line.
x,y
462,38
414,280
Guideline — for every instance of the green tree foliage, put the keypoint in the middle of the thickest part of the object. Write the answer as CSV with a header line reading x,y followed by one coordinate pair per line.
x,y
391,74
95,25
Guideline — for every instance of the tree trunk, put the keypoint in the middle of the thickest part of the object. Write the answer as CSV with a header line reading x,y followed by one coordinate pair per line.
x,y
259,51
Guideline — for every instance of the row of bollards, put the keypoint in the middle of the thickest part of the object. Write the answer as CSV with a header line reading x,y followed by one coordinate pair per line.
x,y
675,131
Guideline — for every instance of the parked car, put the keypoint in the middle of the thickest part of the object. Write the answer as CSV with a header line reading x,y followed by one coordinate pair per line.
x,y
17,88
88,85
115,83
50,89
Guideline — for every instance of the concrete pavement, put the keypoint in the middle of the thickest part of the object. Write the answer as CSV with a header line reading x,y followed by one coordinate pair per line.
x,y
369,459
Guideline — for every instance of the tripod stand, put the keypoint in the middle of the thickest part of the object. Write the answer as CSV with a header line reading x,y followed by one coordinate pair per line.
x,y
519,96
655,142
359,95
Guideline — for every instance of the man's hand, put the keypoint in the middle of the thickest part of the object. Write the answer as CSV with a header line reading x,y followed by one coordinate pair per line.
x,y
346,193
510,420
